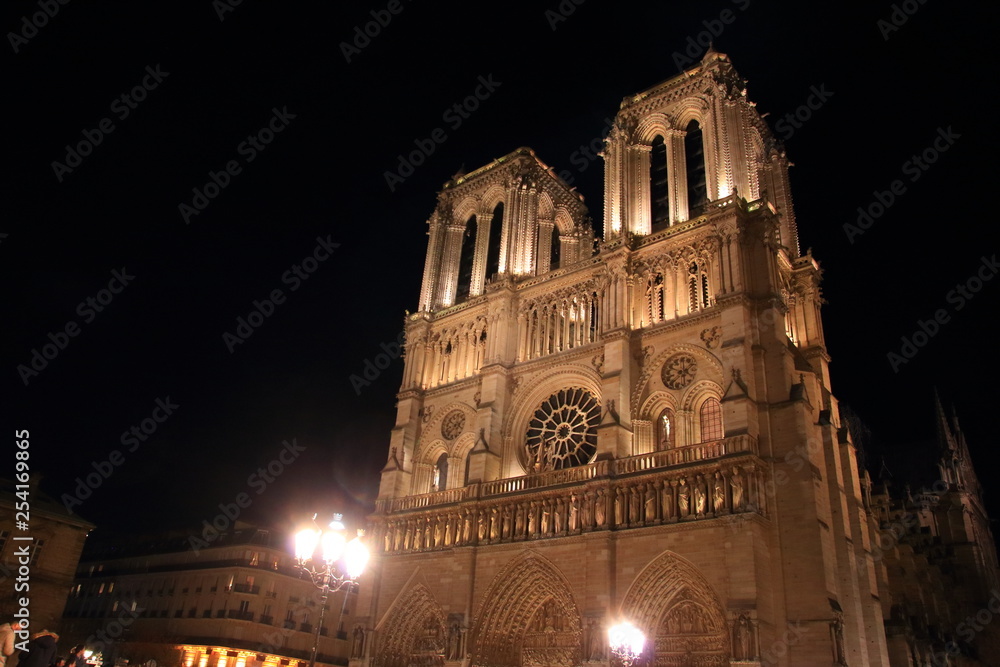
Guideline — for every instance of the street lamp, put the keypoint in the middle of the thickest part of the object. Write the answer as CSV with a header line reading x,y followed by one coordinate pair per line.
x,y
322,567
626,642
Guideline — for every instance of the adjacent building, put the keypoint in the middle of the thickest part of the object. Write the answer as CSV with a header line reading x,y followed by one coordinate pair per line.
x,y
235,600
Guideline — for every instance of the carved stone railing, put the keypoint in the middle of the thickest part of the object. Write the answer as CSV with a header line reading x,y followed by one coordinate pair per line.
x,y
691,454
704,451
544,479
667,495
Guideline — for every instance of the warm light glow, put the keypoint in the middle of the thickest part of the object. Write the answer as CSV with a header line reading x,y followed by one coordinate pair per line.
x,y
333,546
355,558
305,543
626,642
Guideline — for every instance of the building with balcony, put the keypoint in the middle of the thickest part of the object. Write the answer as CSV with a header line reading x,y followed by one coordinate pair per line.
x,y
640,427
237,601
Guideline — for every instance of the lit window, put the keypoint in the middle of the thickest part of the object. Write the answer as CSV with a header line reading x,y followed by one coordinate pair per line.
x,y
711,420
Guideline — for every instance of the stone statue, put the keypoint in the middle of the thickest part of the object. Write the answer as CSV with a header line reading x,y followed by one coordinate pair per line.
x,y
743,637
650,503
418,537
683,498
588,505
448,532
668,501
482,526
494,523
533,518
736,483
507,524
718,494
467,527
546,515
601,508
574,507
619,507
519,521
438,533
699,497
634,505
358,646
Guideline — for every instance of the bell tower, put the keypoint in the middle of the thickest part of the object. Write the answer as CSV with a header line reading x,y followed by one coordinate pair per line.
x,y
643,429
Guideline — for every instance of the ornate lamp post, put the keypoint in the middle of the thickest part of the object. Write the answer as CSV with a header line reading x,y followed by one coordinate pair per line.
x,y
626,642
322,567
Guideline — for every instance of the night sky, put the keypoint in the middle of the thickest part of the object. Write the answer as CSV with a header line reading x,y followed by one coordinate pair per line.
x,y
118,221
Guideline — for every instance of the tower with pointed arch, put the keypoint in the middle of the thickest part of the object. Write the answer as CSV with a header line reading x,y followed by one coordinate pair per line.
x,y
639,427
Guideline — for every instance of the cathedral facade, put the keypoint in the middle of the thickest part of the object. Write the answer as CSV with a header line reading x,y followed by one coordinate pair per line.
x,y
633,427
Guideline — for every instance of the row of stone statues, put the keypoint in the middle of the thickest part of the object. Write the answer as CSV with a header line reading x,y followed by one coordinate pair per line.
x,y
639,503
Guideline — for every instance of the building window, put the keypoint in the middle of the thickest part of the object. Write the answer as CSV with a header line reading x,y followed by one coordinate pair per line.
x,y
694,160
466,256
440,482
36,551
711,420
658,189
493,250
555,248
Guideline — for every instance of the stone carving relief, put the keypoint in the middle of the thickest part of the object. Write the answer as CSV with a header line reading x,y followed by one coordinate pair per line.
x,y
711,337
453,425
679,371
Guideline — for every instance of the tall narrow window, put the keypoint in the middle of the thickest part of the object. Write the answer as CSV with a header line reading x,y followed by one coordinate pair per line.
x,y
665,430
554,248
694,161
493,252
658,189
710,417
467,254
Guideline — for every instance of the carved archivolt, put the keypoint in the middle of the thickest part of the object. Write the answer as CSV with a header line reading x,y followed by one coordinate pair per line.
x,y
710,365
529,598
678,610
413,632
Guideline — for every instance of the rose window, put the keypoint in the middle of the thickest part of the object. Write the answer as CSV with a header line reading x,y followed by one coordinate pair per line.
x,y
453,424
563,431
678,371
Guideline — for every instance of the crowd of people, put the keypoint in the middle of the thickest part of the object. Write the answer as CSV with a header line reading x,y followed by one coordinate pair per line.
x,y
42,649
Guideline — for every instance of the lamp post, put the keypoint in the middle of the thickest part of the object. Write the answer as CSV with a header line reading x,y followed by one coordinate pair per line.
x,y
626,642
322,567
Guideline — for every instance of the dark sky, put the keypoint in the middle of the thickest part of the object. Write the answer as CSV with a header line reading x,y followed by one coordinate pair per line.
x,y
210,83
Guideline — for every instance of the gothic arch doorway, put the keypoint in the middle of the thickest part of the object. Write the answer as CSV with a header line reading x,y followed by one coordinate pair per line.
x,y
528,617
413,634
678,610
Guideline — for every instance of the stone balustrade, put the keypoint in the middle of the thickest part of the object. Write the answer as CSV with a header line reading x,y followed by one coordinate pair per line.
x,y
528,509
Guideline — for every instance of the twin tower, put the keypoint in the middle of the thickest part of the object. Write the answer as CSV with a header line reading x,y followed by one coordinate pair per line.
x,y
632,426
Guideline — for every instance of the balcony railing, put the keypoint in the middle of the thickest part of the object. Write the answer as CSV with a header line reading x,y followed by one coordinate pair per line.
x,y
241,615
640,463
245,588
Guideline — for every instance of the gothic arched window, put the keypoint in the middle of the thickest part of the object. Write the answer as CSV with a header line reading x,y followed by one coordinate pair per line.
x,y
659,195
665,430
694,162
465,260
554,248
710,417
493,250
698,287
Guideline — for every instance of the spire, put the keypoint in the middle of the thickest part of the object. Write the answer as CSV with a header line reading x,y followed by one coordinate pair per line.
x,y
945,438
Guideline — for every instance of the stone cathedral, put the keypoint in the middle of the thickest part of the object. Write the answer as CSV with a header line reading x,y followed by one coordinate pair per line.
x,y
637,426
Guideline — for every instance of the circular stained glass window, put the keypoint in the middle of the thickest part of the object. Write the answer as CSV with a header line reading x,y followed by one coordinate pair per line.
x,y
563,431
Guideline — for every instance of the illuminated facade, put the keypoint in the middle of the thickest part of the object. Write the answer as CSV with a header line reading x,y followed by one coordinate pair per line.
x,y
238,602
640,428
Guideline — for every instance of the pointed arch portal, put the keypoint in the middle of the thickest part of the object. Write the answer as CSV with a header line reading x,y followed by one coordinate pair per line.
x,y
680,614
414,632
528,617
